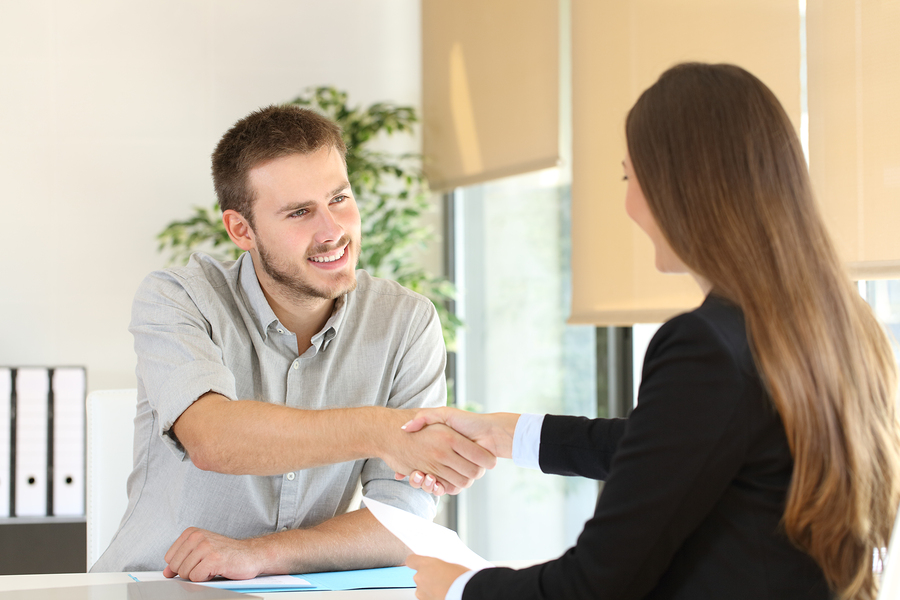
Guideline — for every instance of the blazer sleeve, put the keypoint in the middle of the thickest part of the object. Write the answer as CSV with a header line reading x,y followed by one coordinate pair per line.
x,y
679,450
579,446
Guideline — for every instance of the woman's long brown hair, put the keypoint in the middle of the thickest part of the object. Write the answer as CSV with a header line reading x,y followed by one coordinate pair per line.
x,y
724,175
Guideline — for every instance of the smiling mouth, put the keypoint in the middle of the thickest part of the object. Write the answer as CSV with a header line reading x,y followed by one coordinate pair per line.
x,y
326,259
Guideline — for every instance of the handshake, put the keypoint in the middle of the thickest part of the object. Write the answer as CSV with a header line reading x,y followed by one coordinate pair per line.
x,y
444,450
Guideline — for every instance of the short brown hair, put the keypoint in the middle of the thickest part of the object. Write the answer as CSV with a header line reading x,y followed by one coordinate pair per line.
x,y
261,136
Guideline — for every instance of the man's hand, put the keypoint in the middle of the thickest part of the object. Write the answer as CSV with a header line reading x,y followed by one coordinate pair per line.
x,y
452,459
433,576
493,432
199,555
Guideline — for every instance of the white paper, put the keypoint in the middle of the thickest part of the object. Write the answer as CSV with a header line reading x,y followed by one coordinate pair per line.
x,y
424,537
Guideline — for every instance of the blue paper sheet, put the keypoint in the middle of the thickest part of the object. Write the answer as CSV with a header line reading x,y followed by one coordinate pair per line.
x,y
389,577
386,578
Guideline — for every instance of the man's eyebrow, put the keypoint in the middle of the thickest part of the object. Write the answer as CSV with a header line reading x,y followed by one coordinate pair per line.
x,y
343,187
295,206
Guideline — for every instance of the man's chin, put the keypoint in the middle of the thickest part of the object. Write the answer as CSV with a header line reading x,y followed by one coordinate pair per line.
x,y
345,285
344,289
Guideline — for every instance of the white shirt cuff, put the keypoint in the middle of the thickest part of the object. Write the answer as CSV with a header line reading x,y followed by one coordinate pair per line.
x,y
526,448
456,590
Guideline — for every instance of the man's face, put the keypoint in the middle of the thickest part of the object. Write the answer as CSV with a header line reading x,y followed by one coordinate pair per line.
x,y
306,225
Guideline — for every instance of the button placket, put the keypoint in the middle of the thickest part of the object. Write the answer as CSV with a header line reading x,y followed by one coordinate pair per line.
x,y
290,482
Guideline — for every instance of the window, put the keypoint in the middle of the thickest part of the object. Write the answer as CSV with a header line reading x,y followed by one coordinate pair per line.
x,y
884,298
516,354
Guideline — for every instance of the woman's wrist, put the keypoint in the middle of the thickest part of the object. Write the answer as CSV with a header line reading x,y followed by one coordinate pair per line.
x,y
504,430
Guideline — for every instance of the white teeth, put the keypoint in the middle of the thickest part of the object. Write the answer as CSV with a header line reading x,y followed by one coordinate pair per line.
x,y
324,259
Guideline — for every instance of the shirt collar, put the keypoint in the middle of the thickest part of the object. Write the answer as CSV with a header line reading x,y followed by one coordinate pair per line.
x,y
264,317
332,325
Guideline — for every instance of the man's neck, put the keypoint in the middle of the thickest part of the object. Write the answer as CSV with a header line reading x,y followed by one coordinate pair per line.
x,y
304,318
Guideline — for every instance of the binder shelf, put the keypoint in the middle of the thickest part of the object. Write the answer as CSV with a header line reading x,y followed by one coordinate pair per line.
x,y
42,451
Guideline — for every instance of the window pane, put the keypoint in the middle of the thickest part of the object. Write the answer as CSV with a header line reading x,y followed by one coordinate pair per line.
x,y
516,354
884,298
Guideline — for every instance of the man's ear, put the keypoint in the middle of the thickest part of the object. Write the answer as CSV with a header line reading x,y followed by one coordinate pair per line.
x,y
238,229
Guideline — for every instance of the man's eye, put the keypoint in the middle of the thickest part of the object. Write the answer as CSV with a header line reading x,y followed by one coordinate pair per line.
x,y
299,213
340,198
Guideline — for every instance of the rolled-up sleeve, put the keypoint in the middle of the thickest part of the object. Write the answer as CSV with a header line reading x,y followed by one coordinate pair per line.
x,y
177,359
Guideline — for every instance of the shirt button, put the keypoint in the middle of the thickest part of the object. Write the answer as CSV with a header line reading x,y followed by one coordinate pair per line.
x,y
281,331
284,528
290,476
296,365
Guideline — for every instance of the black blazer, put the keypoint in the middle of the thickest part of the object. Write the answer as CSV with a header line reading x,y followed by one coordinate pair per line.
x,y
696,481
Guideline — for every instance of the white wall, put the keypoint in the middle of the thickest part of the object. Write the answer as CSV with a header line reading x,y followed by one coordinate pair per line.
x,y
109,110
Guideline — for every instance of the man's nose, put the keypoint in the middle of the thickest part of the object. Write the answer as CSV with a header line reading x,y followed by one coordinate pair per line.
x,y
328,229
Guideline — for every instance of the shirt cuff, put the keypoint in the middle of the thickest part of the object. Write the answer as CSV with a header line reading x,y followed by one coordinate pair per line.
x,y
456,590
526,448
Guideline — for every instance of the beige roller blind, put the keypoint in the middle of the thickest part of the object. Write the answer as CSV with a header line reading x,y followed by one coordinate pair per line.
x,y
490,89
853,54
619,49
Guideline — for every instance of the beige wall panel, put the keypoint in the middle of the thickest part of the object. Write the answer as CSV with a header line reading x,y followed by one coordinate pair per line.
x,y
619,49
854,129
491,89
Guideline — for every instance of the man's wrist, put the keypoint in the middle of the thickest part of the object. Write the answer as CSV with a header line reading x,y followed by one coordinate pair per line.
x,y
282,552
261,553
381,426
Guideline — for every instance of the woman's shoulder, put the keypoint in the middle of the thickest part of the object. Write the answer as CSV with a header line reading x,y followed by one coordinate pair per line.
x,y
716,324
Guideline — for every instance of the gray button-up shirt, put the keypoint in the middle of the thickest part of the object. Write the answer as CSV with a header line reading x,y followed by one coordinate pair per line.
x,y
208,327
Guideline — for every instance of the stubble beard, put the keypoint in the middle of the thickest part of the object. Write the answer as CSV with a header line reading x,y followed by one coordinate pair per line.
x,y
290,280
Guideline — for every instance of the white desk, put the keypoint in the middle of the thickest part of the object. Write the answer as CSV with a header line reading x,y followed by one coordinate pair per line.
x,y
27,582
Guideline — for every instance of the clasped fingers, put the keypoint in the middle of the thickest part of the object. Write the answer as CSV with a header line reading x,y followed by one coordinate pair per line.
x,y
450,461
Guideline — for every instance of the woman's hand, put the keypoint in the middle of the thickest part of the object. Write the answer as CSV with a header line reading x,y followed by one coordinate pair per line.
x,y
433,576
494,432
422,481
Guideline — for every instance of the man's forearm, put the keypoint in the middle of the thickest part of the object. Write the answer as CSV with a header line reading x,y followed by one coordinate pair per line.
x,y
354,540
247,437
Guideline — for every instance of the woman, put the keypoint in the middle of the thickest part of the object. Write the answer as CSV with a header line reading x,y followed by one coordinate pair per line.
x,y
762,458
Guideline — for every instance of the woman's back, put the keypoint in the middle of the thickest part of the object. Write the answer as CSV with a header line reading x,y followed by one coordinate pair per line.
x,y
738,548
725,179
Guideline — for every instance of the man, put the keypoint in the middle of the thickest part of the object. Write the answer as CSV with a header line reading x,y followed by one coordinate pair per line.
x,y
266,385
